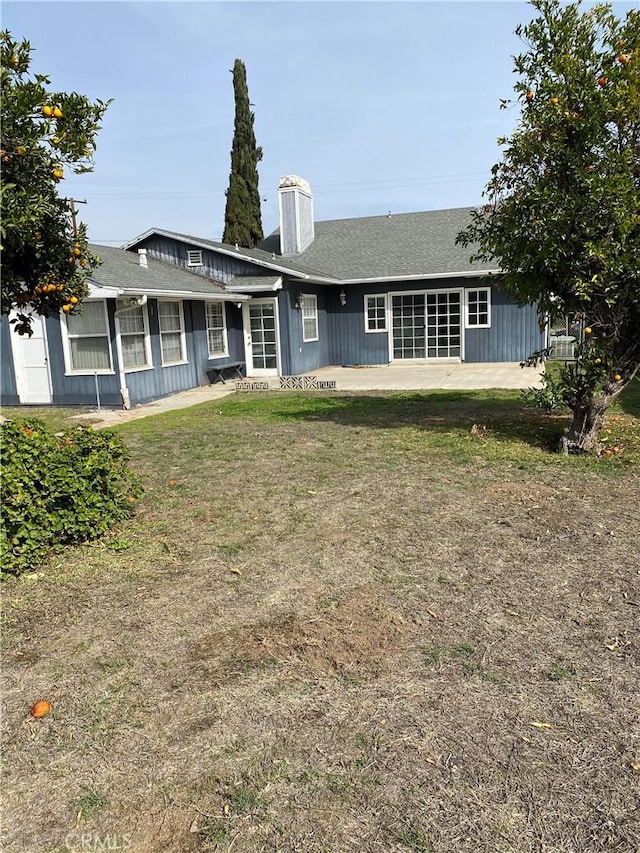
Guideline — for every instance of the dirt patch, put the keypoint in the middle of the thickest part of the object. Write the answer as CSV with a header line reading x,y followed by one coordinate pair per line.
x,y
358,635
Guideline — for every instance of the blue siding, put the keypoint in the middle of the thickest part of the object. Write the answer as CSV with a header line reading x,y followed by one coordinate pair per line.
x,y
513,336
221,268
304,355
80,390
514,332
8,389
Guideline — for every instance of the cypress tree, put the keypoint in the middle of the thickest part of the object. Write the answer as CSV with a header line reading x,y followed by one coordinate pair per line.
x,y
242,218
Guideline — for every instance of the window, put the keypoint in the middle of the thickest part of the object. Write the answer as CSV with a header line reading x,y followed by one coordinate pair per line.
x,y
216,329
375,313
194,258
171,332
134,336
87,348
479,307
309,305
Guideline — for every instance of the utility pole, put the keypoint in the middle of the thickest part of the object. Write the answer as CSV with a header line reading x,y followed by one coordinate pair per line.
x,y
71,202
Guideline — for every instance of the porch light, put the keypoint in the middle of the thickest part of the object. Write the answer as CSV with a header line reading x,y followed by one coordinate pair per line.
x,y
343,298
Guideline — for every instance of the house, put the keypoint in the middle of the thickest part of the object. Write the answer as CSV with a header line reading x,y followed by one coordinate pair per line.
x,y
365,291
146,330
169,307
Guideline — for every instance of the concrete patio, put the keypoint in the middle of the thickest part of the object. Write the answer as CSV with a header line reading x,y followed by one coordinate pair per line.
x,y
425,376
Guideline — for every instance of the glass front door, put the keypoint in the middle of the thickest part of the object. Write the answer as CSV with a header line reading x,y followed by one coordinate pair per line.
x,y
261,336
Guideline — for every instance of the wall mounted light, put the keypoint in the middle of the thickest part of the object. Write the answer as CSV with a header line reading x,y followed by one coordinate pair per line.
x,y
343,298
299,301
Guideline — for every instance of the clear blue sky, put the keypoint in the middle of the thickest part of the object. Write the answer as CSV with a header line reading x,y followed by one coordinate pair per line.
x,y
379,105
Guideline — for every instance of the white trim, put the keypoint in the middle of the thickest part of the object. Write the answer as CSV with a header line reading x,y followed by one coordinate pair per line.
x,y
383,296
225,340
148,365
469,325
66,348
183,342
414,277
303,297
248,352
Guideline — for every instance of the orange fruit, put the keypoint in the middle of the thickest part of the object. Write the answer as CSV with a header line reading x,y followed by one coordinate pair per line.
x,y
58,173
131,499
57,112
587,331
21,150
40,708
77,251
602,81
598,361
554,101
529,96
623,59
67,308
14,61
47,111
617,377
74,300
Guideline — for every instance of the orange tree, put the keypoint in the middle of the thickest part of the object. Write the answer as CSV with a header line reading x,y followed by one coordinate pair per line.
x,y
45,134
562,217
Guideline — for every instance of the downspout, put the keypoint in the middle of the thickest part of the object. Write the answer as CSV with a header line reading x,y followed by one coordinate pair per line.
x,y
124,391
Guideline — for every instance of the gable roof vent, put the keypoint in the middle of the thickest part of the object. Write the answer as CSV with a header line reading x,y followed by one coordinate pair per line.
x,y
296,215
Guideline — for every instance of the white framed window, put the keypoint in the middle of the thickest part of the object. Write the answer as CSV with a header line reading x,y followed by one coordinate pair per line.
x,y
171,322
134,336
309,306
85,340
375,313
478,308
216,329
194,257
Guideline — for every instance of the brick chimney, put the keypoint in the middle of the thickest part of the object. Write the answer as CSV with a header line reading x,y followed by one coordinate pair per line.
x,y
296,215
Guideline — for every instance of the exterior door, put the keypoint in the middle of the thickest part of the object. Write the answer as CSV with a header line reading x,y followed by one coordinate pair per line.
x,y
260,319
30,357
443,325
427,325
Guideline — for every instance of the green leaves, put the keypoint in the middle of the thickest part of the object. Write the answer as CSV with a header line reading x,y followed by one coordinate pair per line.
x,y
562,214
59,489
45,135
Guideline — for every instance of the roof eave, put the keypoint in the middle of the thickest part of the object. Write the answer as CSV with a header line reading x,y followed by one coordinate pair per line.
x,y
412,277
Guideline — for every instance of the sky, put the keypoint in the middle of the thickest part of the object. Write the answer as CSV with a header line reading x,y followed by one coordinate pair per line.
x,y
380,106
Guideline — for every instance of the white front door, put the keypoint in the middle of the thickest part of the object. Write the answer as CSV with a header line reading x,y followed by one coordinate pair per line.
x,y
262,347
31,361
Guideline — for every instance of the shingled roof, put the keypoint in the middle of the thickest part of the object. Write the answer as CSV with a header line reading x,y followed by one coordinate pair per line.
x,y
396,246
393,246
122,270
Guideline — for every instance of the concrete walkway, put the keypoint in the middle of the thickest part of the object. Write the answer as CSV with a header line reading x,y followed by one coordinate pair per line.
x,y
416,377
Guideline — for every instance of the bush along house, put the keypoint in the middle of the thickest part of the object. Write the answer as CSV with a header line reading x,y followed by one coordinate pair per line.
x,y
365,291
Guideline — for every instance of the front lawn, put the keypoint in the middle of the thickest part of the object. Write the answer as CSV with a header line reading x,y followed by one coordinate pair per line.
x,y
384,622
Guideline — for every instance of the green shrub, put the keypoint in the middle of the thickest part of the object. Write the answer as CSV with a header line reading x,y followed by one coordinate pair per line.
x,y
59,489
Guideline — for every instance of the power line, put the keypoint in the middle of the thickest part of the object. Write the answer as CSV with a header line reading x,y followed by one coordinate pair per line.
x,y
319,189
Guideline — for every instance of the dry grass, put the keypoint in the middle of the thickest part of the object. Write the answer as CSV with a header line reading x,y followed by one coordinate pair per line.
x,y
352,624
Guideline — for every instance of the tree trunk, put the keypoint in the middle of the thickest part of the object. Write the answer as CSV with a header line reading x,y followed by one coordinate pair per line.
x,y
588,420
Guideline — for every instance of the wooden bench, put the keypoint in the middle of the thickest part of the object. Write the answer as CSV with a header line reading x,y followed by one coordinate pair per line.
x,y
216,374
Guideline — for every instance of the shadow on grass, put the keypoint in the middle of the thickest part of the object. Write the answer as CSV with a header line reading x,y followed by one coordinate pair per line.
x,y
629,400
501,414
